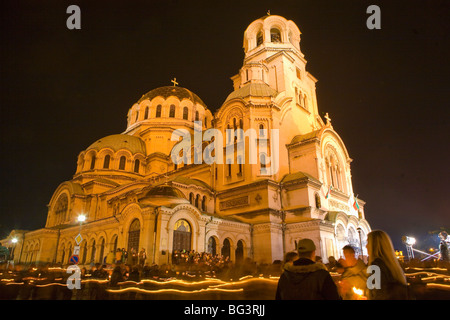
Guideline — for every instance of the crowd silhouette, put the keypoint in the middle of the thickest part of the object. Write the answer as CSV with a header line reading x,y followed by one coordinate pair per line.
x,y
343,275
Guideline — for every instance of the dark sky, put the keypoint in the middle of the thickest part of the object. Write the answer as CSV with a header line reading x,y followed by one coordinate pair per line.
x,y
385,90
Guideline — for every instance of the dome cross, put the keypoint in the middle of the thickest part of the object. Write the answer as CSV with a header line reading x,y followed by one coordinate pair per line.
x,y
174,81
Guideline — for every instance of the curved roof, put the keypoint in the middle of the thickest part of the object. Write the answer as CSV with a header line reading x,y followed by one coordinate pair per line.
x,y
253,90
168,91
165,191
118,142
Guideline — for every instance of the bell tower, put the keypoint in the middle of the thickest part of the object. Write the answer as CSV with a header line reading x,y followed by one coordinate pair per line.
x,y
273,56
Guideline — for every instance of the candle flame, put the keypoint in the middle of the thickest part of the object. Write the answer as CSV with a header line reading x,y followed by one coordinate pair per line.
x,y
359,292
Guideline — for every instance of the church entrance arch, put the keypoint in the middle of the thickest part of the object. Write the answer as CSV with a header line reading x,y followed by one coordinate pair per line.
x,y
239,251
133,236
212,246
226,248
182,235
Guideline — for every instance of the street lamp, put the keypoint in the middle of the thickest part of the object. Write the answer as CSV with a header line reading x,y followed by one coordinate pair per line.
x,y
81,218
360,240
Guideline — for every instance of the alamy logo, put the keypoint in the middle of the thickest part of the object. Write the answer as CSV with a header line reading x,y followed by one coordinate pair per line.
x,y
262,148
374,280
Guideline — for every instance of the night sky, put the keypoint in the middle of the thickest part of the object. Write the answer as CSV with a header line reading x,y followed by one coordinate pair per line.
x,y
387,91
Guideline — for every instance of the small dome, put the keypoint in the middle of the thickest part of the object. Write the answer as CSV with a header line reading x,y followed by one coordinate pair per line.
x,y
165,191
168,91
118,142
164,195
253,90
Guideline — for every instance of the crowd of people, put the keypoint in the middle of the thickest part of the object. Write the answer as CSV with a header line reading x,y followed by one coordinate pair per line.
x,y
302,273
382,278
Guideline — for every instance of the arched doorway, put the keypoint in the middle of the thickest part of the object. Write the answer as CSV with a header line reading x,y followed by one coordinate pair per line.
x,y
212,245
182,236
239,251
102,249
226,248
133,236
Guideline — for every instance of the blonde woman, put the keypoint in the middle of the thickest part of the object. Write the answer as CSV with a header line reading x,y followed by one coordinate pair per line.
x,y
392,278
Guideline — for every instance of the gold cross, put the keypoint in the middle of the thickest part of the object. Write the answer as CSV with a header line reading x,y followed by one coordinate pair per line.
x,y
174,81
268,12
327,117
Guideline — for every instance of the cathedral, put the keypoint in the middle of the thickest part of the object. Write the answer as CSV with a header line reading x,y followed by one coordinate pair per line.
x,y
132,194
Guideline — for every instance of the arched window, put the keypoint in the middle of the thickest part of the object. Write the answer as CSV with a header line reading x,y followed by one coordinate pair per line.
x,y
158,111
84,255
212,245
259,38
204,203
146,113
172,111
191,198
263,160
239,253
261,130
137,116
136,165
102,250
92,252
133,236
93,162
197,116
226,248
275,35
181,236
239,161
197,201
106,161
185,113
122,162
61,209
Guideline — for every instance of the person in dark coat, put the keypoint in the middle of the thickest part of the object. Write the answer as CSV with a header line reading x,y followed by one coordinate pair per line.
x,y
306,279
116,276
392,280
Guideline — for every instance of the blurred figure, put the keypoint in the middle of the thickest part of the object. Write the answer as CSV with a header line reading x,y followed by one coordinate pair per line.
x,y
332,264
354,275
290,258
305,279
116,276
392,278
443,246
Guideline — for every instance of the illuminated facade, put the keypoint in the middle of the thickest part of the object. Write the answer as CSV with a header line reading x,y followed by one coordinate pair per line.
x,y
135,197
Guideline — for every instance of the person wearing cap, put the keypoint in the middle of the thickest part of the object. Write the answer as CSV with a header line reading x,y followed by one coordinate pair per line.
x,y
306,279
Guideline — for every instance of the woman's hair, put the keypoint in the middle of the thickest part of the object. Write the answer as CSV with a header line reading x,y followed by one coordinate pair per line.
x,y
379,245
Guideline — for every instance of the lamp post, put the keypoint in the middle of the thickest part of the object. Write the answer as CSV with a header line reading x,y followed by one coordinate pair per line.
x,y
360,240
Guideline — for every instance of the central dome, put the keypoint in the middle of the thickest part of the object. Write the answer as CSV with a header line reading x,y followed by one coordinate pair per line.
x,y
169,91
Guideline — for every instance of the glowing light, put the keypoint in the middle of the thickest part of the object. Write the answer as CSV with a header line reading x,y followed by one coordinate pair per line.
x,y
14,240
359,292
81,218
173,290
410,241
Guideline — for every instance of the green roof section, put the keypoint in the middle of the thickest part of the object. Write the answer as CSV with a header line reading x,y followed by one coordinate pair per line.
x,y
189,181
304,137
120,141
298,176
253,90
169,91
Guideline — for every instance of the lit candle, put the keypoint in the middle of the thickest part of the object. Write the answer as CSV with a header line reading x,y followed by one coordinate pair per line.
x,y
359,294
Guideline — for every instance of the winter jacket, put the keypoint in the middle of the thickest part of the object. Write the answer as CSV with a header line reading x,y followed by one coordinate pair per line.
x,y
355,276
306,280
390,289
